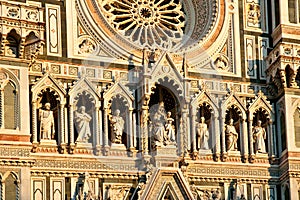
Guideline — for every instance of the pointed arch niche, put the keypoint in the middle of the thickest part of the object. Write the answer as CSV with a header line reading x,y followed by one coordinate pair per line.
x,y
232,108
12,44
163,98
10,185
9,100
118,97
84,94
203,106
48,90
261,110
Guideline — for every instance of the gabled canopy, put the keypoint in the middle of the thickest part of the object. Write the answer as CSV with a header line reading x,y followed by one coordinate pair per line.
x,y
83,85
47,81
165,182
121,90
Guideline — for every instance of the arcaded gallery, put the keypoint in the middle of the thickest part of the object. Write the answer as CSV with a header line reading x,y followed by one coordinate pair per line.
x,y
150,99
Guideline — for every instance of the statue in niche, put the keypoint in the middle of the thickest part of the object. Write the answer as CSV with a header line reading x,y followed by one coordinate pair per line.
x,y
202,134
170,130
158,122
117,127
231,136
162,127
259,136
47,127
82,124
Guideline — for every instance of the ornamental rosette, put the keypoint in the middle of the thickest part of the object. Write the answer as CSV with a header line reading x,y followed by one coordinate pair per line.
x,y
148,24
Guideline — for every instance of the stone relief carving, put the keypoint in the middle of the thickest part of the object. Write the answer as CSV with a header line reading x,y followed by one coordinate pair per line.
x,y
221,63
253,14
87,46
47,127
206,193
259,136
82,124
202,134
117,127
231,136
116,191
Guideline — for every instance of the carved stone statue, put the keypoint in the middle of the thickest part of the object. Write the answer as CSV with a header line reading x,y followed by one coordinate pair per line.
x,y
47,127
162,127
170,130
259,136
158,125
202,134
117,127
231,136
82,124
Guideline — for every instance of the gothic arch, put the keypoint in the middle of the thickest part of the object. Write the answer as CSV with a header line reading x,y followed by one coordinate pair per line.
x,y
204,100
9,84
233,101
83,93
233,108
48,85
118,90
261,110
13,42
120,93
165,73
83,85
48,82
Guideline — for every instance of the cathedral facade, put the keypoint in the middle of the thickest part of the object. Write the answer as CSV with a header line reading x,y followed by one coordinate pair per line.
x,y
160,99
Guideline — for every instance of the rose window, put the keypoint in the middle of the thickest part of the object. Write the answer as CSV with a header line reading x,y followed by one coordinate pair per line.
x,y
152,24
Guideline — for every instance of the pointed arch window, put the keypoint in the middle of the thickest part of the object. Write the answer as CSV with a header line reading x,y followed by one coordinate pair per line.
x,y
9,115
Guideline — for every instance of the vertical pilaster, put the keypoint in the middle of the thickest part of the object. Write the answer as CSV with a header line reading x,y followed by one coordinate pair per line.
x,y
251,138
130,128
34,122
96,125
216,129
71,124
245,139
223,147
145,134
2,125
106,130
100,128
62,123
270,139
193,125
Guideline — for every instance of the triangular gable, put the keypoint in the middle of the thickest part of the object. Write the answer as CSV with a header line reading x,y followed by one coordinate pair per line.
x,y
118,89
47,81
232,99
203,97
158,67
260,101
83,85
163,181
168,192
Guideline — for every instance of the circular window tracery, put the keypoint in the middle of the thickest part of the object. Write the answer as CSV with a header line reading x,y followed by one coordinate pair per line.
x,y
151,24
